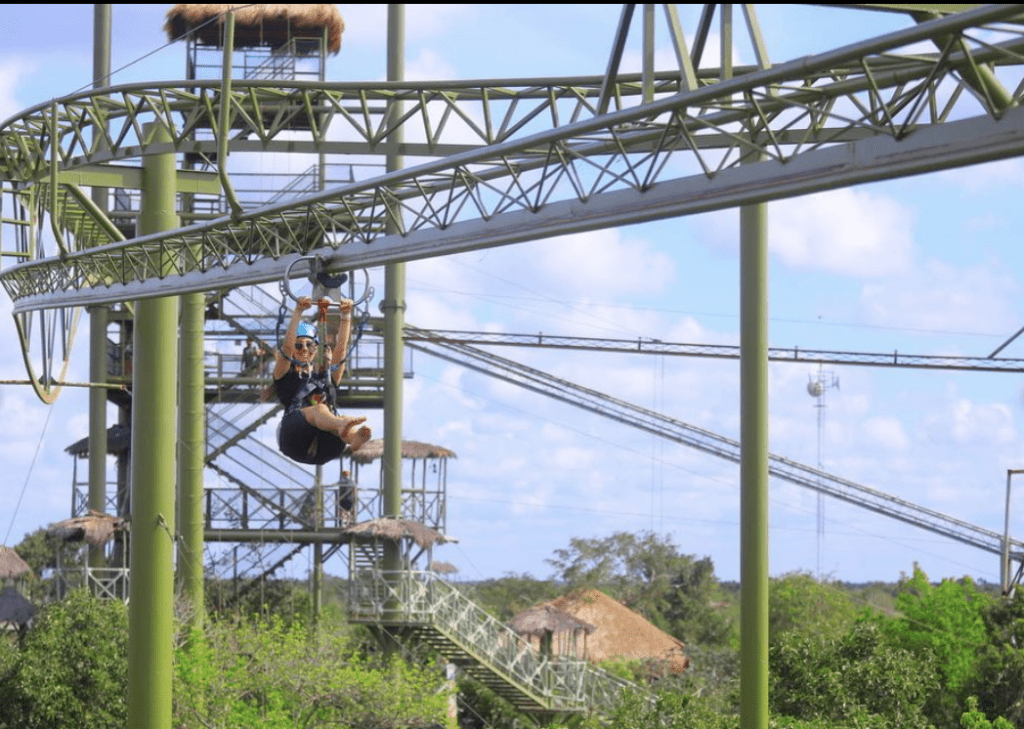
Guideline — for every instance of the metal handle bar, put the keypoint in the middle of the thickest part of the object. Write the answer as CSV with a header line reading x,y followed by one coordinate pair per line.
x,y
315,264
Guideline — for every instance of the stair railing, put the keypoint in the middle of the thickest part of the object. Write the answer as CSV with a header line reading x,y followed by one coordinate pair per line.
x,y
422,598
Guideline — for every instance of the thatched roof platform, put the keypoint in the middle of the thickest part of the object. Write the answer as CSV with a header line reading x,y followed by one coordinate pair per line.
x,y
119,441
96,528
12,565
374,449
621,633
396,529
441,567
257,25
15,610
546,619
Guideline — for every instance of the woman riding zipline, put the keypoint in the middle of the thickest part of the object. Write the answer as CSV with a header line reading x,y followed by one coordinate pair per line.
x,y
310,432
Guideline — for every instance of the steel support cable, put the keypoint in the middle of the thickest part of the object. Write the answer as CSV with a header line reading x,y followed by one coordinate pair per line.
x,y
718,351
458,162
709,442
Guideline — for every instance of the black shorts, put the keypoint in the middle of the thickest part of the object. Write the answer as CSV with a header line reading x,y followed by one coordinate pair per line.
x,y
304,443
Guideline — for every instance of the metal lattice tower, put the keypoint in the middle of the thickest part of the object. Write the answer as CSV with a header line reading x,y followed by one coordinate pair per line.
x,y
536,158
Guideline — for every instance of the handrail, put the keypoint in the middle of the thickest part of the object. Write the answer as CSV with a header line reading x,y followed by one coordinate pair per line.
x,y
422,598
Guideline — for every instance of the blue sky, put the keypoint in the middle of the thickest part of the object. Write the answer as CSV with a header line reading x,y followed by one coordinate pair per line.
x,y
927,265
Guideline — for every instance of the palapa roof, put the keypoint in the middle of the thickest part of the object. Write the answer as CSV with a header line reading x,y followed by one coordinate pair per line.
x,y
14,608
12,565
119,440
392,528
547,619
96,528
443,568
374,449
620,633
257,25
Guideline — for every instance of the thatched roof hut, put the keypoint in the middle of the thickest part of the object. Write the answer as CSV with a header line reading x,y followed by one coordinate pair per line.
x,y
620,632
441,567
96,528
556,632
547,619
119,440
396,529
15,610
257,25
374,449
11,565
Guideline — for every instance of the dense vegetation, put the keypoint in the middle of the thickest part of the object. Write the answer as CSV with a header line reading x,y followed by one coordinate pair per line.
x,y
913,654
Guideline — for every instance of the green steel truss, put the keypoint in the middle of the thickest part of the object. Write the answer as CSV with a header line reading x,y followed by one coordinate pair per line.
x,y
538,147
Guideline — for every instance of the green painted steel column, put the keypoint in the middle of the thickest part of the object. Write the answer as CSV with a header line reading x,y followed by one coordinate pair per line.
x,y
97,420
393,307
317,576
753,467
154,381
191,454
98,315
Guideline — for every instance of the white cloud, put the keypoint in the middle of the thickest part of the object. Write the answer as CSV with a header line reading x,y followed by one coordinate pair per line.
x,y
368,24
602,261
979,178
849,232
886,433
943,297
12,73
429,65
968,423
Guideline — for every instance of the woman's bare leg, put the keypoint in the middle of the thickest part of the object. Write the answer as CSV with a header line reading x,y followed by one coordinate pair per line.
x,y
320,417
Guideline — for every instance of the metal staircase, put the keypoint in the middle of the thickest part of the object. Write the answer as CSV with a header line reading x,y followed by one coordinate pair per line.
x,y
439,616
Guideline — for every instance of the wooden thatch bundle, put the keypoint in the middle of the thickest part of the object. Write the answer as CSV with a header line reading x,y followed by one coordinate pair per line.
x,y
11,565
257,25
374,449
396,529
443,568
547,619
621,633
96,528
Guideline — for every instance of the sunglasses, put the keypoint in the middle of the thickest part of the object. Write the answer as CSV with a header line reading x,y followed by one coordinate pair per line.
x,y
299,346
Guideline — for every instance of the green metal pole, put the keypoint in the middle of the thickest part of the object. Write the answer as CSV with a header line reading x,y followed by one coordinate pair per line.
x,y
753,467
393,306
224,119
154,381
317,586
648,53
191,455
98,316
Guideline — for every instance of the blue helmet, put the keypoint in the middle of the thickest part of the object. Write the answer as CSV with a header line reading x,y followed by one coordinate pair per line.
x,y
305,329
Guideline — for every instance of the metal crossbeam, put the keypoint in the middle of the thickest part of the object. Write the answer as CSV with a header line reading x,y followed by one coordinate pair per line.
x,y
855,114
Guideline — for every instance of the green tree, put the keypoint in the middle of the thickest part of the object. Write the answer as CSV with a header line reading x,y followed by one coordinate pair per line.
x,y
854,679
974,718
944,623
273,673
509,595
797,602
999,681
71,669
40,552
647,573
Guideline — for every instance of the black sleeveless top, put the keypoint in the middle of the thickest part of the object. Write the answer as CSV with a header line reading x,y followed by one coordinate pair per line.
x,y
295,391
